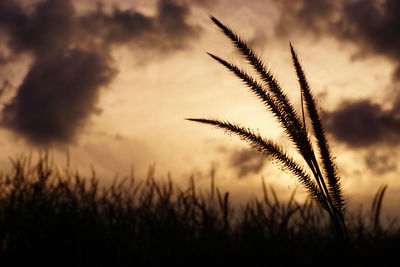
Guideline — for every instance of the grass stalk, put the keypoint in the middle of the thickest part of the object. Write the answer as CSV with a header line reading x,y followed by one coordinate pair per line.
x,y
324,188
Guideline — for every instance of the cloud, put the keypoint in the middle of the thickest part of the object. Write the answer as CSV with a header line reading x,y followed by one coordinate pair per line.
x,y
167,31
380,163
246,161
372,26
363,123
5,87
57,96
72,59
205,3
119,27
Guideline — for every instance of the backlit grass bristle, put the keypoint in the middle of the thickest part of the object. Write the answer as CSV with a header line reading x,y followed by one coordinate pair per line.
x,y
322,184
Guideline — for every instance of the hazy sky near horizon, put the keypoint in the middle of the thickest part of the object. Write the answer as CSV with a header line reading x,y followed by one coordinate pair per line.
x,y
112,82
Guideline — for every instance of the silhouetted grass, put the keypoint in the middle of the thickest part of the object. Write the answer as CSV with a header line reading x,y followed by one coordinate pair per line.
x,y
56,217
314,178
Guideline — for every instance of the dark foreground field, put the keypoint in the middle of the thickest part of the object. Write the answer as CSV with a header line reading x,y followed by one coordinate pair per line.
x,y
55,217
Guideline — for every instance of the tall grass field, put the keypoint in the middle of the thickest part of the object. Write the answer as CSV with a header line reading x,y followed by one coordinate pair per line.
x,y
55,217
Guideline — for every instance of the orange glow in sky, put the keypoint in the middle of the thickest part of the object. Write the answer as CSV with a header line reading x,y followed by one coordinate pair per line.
x,y
112,84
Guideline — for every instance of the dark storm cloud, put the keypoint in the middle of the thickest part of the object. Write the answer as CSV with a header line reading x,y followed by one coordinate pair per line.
x,y
371,25
72,59
246,161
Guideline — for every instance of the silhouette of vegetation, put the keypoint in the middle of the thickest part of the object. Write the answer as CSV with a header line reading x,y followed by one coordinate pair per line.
x,y
324,188
51,216
56,217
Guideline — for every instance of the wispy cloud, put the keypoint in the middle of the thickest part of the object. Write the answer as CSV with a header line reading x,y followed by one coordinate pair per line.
x,y
246,161
381,163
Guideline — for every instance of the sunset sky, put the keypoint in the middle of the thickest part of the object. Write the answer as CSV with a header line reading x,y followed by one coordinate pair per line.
x,y
111,82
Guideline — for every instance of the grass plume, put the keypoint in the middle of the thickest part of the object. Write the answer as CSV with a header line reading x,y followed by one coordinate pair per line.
x,y
269,148
324,187
319,133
